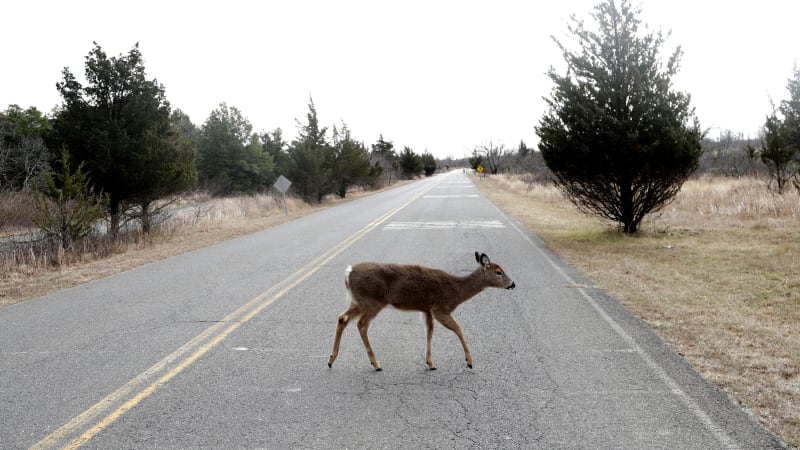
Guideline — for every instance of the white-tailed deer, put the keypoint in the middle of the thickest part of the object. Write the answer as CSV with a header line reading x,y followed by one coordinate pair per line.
x,y
373,286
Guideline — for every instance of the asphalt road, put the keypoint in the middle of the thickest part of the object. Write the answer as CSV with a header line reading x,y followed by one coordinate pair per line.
x,y
226,347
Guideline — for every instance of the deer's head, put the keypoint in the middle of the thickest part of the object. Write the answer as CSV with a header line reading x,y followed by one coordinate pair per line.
x,y
493,273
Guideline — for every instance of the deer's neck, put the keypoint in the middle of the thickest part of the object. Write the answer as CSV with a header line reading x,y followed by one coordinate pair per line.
x,y
471,285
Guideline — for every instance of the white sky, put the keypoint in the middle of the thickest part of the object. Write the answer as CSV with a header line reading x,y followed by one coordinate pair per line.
x,y
441,76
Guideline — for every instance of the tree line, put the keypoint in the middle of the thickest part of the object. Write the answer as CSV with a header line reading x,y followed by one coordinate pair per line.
x,y
617,138
116,147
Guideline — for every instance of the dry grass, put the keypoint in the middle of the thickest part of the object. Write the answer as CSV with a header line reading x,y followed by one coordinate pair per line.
x,y
716,274
16,211
198,221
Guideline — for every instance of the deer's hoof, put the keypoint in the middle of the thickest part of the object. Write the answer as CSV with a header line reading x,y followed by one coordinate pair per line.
x,y
469,365
378,369
433,368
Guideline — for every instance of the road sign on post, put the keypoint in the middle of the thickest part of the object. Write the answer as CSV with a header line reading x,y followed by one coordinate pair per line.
x,y
282,185
480,170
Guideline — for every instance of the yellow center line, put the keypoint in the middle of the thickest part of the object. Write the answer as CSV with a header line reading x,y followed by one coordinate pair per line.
x,y
116,402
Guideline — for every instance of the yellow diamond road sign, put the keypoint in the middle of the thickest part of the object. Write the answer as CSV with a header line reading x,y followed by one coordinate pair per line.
x,y
479,169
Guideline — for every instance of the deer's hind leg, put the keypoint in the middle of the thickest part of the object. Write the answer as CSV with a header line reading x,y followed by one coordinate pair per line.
x,y
344,318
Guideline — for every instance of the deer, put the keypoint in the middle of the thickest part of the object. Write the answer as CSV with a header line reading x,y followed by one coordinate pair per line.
x,y
372,286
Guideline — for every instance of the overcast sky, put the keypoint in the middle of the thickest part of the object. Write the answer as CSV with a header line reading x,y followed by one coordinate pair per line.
x,y
441,76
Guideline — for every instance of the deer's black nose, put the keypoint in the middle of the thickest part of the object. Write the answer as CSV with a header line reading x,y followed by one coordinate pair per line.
x,y
512,285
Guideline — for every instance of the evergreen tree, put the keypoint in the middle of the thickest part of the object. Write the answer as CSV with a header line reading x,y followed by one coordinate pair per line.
x,y
618,139
410,163
475,160
119,127
277,148
230,156
183,124
152,182
311,159
780,144
350,161
383,157
66,205
428,164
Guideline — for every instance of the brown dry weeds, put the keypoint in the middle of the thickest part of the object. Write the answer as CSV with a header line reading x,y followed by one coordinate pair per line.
x,y
716,274
204,222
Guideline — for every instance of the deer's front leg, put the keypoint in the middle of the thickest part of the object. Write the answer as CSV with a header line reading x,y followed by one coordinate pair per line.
x,y
429,329
344,319
450,323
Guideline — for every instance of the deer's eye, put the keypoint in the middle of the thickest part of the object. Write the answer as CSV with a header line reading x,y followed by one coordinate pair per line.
x,y
499,273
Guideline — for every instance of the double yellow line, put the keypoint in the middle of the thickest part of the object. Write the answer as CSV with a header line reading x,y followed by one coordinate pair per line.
x,y
88,424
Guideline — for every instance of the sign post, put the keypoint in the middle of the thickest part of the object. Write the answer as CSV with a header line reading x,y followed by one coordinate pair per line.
x,y
282,185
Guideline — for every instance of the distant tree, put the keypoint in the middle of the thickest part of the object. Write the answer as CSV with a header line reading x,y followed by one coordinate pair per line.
x,y
618,139
23,154
780,143
428,164
410,163
230,157
492,154
384,155
730,154
67,207
523,150
778,152
119,127
311,159
16,123
277,148
184,126
350,161
475,160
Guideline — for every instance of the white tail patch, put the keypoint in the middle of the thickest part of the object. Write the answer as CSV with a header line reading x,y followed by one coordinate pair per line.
x,y
347,276
350,298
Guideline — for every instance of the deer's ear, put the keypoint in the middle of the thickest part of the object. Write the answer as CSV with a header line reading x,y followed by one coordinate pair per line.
x,y
482,259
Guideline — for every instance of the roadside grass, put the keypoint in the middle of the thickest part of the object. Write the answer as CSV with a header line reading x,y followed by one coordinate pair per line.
x,y
716,274
197,221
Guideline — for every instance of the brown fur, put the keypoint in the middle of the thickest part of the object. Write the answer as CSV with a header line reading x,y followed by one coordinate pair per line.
x,y
373,286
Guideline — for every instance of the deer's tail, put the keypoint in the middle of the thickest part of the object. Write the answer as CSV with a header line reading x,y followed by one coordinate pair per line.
x,y
350,297
347,277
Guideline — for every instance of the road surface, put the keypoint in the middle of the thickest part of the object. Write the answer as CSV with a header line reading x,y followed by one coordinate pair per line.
x,y
226,347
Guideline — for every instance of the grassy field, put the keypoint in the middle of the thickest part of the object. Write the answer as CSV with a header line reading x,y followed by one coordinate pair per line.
x,y
716,274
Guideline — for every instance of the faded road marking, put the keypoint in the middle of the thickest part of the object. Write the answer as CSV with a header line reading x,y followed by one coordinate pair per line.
x,y
443,225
